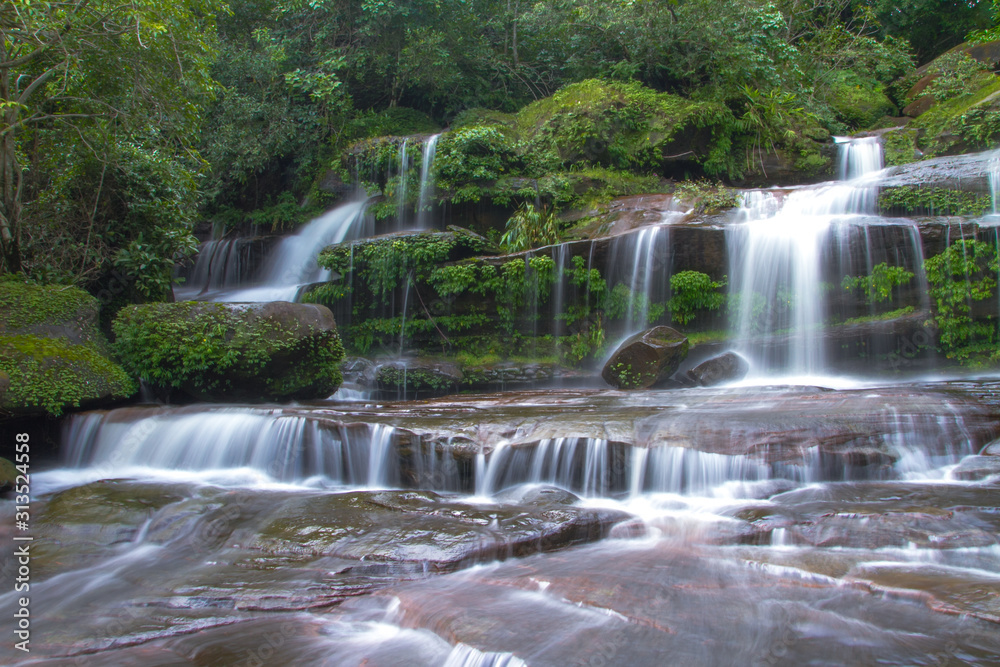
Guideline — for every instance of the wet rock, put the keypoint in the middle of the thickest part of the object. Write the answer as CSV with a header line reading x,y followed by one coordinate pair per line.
x,y
992,449
976,468
633,605
728,367
646,358
418,376
880,515
959,172
425,528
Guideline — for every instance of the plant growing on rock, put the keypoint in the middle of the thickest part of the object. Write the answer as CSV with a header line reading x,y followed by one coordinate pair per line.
x,y
693,291
530,228
878,286
958,277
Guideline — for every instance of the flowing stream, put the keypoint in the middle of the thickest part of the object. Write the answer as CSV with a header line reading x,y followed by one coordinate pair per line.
x,y
777,521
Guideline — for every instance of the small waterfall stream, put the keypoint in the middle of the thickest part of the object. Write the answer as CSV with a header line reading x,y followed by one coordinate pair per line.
x,y
778,251
425,203
290,265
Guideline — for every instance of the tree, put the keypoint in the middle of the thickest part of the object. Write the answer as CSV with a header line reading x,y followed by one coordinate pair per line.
x,y
95,95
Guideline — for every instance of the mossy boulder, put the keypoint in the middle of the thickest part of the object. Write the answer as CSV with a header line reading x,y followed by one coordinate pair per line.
x,y
52,354
48,375
857,101
646,358
232,351
8,474
626,126
51,311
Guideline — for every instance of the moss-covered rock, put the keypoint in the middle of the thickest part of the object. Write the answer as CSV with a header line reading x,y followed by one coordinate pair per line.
x,y
55,311
626,126
859,102
52,353
646,358
965,123
52,374
216,351
8,474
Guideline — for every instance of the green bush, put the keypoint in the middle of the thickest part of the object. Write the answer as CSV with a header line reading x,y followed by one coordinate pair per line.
x,y
693,291
530,228
877,287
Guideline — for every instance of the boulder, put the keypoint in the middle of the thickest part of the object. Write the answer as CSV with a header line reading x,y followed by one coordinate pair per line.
x,y
646,358
233,351
52,353
8,474
992,449
48,375
50,311
976,468
728,367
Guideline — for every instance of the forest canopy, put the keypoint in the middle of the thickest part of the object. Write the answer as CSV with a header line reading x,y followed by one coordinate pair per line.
x,y
122,124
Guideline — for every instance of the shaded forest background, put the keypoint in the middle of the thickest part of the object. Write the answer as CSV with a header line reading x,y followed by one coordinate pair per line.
x,y
122,125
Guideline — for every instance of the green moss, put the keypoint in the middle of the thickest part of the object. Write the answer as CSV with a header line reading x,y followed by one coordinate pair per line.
x,y
212,349
917,200
857,102
54,374
900,146
882,317
966,123
413,379
624,126
23,305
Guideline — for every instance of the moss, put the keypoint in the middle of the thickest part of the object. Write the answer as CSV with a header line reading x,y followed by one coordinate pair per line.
x,y
857,102
414,379
917,200
624,126
54,374
900,146
210,350
965,123
882,317
42,309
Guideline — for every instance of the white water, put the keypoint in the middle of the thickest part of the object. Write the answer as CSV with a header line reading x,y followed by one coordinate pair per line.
x,y
424,203
401,193
274,445
292,262
777,251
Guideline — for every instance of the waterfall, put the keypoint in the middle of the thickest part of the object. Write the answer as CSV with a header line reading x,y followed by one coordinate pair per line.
x,y
401,192
284,447
777,250
641,262
994,176
291,264
426,182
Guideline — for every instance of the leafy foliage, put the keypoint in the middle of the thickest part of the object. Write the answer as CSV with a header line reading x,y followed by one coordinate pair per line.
x,y
530,228
693,291
960,276
877,287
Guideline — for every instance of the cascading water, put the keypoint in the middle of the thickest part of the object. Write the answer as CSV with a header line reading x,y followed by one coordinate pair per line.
x,y
291,264
425,203
402,191
778,250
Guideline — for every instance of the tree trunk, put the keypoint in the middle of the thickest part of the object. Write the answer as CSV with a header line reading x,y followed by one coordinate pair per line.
x,y
10,182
